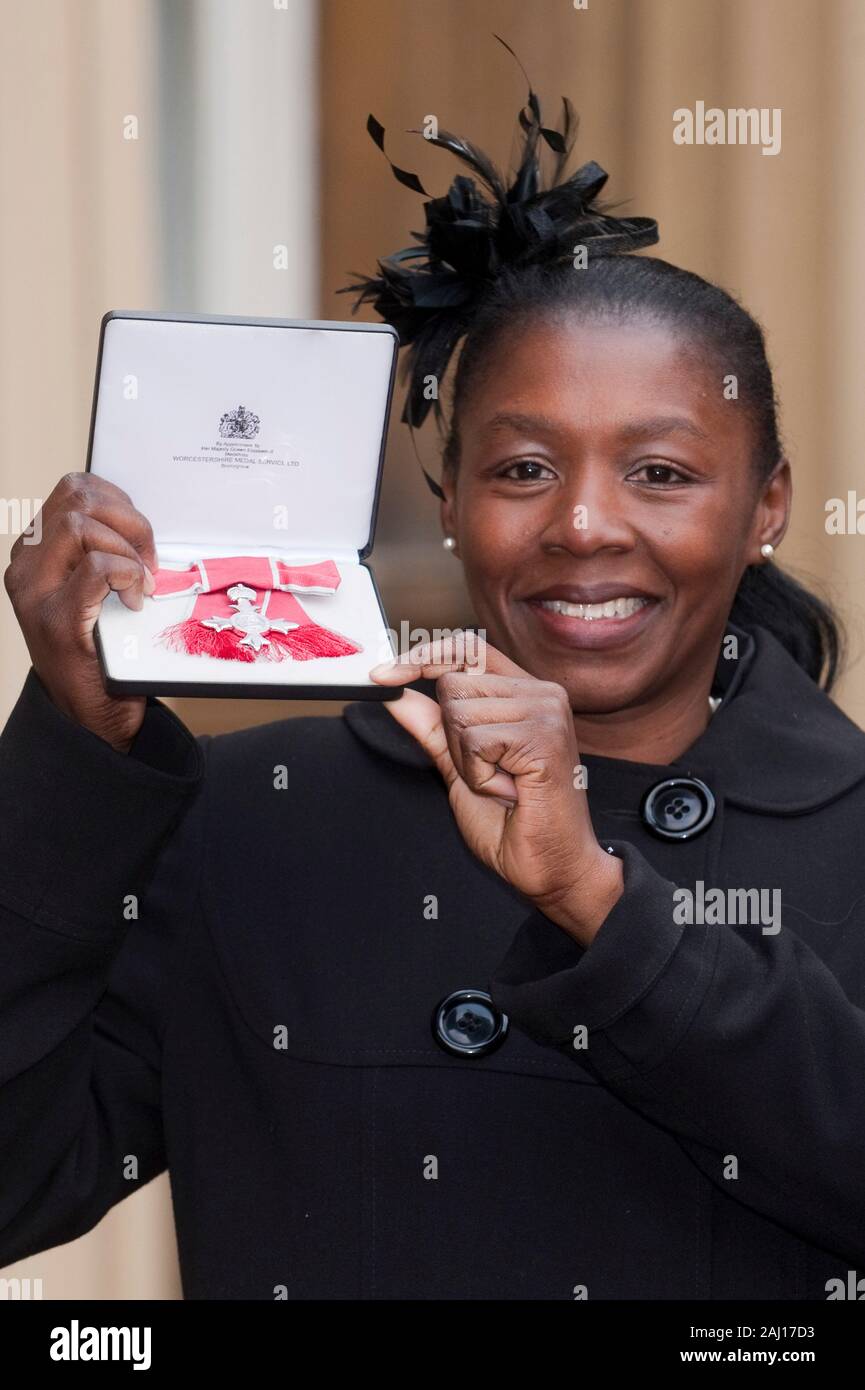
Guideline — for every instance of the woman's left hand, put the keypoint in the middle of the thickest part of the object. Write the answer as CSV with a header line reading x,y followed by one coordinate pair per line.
x,y
504,742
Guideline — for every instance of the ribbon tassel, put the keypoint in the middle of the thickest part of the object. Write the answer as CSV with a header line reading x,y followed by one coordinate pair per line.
x,y
305,643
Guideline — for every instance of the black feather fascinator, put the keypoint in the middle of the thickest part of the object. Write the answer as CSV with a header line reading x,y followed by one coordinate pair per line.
x,y
482,225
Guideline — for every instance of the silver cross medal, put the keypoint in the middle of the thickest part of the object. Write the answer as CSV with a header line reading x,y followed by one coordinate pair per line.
x,y
248,620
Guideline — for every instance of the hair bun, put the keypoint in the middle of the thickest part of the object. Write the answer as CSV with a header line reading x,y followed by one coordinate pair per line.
x,y
427,291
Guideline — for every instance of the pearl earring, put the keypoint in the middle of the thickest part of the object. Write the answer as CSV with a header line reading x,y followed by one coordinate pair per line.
x,y
449,543
767,551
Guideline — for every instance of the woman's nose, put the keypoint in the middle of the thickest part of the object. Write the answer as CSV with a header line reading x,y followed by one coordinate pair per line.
x,y
588,516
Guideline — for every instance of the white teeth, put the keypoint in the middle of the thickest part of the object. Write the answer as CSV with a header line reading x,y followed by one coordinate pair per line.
x,y
613,608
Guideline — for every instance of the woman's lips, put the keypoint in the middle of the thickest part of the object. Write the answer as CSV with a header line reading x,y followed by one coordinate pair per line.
x,y
579,627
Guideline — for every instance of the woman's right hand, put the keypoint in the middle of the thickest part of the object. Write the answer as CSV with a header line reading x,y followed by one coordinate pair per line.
x,y
92,540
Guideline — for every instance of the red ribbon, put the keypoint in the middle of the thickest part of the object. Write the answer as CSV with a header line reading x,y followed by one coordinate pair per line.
x,y
210,581
260,572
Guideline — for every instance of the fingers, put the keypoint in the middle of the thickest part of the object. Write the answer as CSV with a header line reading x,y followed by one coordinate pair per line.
x,y
69,537
71,613
481,749
459,730
493,721
540,746
461,651
467,700
87,495
422,718
81,491
547,713
455,688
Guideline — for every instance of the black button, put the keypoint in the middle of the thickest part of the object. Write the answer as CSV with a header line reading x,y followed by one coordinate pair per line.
x,y
679,808
468,1024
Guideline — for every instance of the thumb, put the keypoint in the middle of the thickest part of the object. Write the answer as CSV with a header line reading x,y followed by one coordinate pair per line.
x,y
421,717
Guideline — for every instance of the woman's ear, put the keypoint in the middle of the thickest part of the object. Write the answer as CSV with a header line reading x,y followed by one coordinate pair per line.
x,y
447,510
772,515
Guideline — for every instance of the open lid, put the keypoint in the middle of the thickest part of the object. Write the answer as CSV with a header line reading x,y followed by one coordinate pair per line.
x,y
245,433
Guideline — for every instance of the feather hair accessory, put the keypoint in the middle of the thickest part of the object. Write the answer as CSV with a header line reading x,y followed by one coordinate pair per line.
x,y
482,225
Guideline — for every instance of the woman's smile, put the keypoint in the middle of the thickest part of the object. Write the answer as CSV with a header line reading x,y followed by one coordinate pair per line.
x,y
595,626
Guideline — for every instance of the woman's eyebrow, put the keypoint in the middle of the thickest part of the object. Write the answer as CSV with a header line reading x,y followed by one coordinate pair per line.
x,y
528,424
634,430
662,424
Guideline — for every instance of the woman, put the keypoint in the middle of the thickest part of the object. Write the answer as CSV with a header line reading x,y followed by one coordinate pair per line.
x,y
543,981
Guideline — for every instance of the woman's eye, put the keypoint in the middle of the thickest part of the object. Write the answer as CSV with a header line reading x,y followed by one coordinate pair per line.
x,y
661,474
530,471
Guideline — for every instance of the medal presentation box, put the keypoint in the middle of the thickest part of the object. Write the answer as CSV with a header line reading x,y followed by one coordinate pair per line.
x,y
254,447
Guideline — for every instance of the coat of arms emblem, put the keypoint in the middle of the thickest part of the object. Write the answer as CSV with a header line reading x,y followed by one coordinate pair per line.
x,y
239,424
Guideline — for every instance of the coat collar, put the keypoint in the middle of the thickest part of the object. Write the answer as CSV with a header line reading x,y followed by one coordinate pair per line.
x,y
778,741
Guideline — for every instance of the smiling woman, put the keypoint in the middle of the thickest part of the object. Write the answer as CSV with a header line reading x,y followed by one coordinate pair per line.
x,y
488,1056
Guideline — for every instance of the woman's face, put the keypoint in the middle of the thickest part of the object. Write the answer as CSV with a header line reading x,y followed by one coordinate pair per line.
x,y
601,464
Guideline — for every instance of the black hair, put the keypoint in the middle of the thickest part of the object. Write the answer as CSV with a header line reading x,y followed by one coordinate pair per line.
x,y
483,264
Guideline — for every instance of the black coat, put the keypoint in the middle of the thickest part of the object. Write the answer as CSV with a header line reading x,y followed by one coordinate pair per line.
x,y
263,1027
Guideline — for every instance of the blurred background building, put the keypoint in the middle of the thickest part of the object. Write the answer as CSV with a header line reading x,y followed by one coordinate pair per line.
x,y
248,131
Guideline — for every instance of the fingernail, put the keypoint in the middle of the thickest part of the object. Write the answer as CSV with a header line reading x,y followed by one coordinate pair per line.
x,y
149,581
382,667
